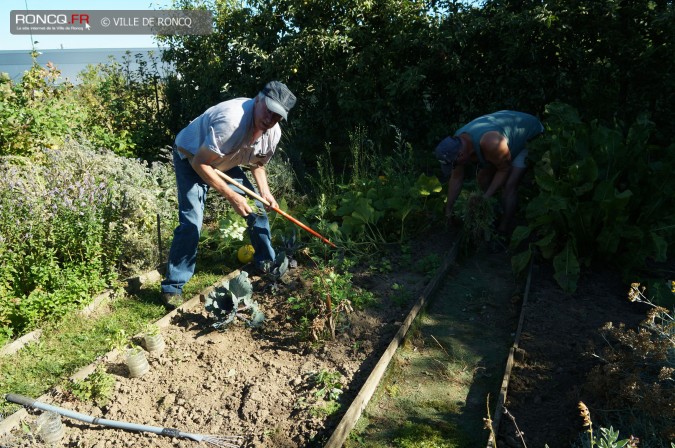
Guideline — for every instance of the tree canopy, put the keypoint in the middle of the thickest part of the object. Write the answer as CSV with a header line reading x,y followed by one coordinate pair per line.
x,y
426,67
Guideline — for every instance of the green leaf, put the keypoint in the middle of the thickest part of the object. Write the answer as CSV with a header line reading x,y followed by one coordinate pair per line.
x,y
426,185
604,191
240,286
583,173
547,245
544,175
519,261
257,318
617,205
225,300
544,204
566,267
562,113
608,240
520,234
660,246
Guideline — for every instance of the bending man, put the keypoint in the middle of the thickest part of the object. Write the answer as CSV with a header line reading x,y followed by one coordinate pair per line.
x,y
242,131
497,143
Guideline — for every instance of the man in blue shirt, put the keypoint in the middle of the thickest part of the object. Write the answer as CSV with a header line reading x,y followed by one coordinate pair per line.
x,y
241,131
497,143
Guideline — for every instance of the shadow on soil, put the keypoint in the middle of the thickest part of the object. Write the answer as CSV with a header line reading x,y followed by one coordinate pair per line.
x,y
436,388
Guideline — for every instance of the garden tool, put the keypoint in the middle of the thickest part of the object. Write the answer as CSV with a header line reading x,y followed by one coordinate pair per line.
x,y
254,195
219,441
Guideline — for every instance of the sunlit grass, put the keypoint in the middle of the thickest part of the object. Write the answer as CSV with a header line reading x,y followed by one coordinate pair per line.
x,y
77,340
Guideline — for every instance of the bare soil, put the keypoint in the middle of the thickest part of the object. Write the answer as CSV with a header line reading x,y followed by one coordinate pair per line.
x,y
257,383
559,337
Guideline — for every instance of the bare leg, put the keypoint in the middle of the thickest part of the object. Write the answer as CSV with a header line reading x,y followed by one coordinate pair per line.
x,y
510,199
484,177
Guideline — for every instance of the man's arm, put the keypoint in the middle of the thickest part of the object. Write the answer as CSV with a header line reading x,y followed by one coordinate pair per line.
x,y
495,149
201,163
454,188
260,176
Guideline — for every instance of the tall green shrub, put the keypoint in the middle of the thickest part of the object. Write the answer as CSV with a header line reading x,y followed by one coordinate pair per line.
x,y
603,195
36,112
125,108
72,220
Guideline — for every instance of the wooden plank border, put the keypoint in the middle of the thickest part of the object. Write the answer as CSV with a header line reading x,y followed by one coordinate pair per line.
x,y
348,421
501,399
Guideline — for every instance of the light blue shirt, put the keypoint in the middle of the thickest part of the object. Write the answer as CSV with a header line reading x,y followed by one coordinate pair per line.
x,y
225,129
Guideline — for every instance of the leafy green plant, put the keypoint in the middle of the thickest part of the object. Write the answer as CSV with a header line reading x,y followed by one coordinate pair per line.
x,y
401,295
322,308
382,199
120,341
338,294
97,387
325,410
596,197
428,264
225,237
277,267
152,329
328,384
232,300
38,111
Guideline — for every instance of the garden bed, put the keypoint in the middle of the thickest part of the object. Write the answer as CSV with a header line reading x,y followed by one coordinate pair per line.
x,y
559,340
265,384
269,385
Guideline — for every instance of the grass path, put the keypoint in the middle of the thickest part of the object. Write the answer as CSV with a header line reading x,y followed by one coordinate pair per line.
x,y
435,392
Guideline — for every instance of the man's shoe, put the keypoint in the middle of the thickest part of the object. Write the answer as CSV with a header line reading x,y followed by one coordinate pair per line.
x,y
172,301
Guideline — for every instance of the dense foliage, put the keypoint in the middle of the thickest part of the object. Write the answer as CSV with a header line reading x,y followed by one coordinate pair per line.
x,y
71,221
36,112
112,107
428,66
125,108
602,195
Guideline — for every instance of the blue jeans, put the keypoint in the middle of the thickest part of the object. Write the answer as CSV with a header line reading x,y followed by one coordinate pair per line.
x,y
191,198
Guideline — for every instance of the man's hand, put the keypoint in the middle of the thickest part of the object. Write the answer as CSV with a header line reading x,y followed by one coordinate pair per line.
x,y
240,204
269,198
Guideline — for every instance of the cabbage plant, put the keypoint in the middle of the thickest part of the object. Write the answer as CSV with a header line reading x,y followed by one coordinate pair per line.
x,y
234,299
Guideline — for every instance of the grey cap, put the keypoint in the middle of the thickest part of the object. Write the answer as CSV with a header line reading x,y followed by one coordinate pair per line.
x,y
278,98
446,152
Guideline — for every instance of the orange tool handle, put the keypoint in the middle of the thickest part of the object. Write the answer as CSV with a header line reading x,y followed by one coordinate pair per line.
x,y
254,195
